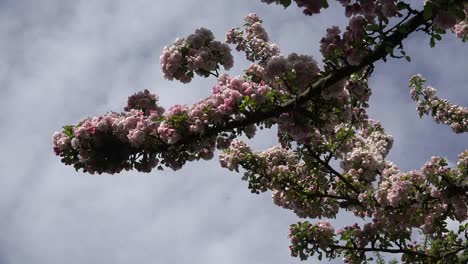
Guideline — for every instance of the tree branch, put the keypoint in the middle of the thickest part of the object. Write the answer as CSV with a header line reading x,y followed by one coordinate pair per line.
x,y
326,81
332,170
386,250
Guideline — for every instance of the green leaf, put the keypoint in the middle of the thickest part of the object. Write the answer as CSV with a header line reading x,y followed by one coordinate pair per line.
x,y
432,42
401,6
408,58
389,50
68,130
403,29
428,8
373,27
439,30
457,11
325,4
285,3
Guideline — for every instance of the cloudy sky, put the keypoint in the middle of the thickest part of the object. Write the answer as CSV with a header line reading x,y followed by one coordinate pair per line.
x,y
65,60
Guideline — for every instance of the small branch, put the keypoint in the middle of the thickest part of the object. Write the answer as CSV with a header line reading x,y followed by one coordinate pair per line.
x,y
374,249
346,200
215,74
399,23
332,170
332,153
456,189
455,251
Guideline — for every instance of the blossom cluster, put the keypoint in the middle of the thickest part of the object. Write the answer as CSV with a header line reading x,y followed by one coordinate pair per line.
x,y
310,6
428,196
442,110
367,153
370,17
295,72
277,167
420,198
303,234
198,53
397,203
146,136
255,43
280,170
327,116
350,46
461,28
106,143
400,202
255,72
371,9
358,88
144,101
448,15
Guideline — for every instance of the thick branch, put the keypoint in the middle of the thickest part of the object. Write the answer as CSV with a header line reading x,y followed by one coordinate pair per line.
x,y
399,250
326,81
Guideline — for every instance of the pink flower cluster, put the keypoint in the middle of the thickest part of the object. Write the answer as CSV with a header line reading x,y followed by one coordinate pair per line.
x,y
144,101
255,72
295,72
453,16
428,196
199,53
333,111
442,110
277,167
144,137
461,28
310,6
320,235
360,236
290,128
255,42
398,188
370,9
400,202
367,155
397,203
107,143
358,90
350,46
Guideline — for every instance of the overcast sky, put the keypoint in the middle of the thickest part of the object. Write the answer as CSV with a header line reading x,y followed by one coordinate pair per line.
x,y
64,60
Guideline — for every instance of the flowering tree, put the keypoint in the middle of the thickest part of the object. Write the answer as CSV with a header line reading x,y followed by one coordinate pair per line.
x,y
320,115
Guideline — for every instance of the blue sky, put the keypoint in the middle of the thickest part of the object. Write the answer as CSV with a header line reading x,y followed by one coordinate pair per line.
x,y
65,60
